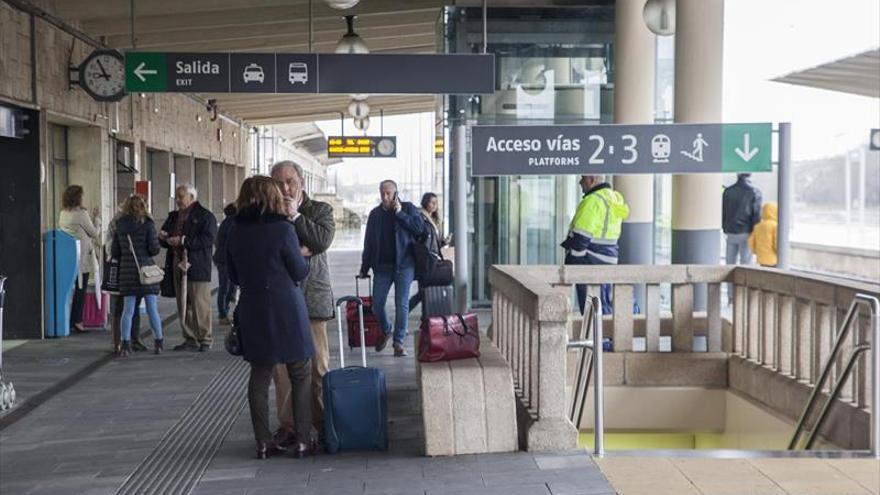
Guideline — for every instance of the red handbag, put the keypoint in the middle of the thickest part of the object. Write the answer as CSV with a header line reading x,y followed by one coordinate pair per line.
x,y
444,338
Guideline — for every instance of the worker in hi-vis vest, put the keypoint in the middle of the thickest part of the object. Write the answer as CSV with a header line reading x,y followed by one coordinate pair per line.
x,y
594,231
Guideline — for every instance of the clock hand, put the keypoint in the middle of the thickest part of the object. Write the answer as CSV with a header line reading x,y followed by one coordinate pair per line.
x,y
104,73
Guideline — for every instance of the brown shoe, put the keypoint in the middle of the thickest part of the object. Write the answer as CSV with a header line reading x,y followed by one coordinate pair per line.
x,y
381,342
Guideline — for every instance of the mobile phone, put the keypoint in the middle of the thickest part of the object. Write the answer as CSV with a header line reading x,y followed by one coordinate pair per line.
x,y
395,196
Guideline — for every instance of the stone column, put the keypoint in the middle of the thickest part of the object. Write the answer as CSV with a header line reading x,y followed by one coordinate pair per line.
x,y
634,48
696,198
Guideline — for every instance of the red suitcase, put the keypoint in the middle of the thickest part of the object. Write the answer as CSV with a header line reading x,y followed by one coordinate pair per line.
x,y
92,316
371,323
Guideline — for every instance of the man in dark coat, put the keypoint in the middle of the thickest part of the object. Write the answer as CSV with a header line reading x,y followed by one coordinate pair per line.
x,y
392,230
225,288
315,229
740,212
188,234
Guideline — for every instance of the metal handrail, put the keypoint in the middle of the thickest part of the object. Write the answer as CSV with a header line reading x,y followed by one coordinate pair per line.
x,y
835,392
594,314
873,305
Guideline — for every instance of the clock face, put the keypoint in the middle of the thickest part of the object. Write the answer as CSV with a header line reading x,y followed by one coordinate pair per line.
x,y
385,147
102,75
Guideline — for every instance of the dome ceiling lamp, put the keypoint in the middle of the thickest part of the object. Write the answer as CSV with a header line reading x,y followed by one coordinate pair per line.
x,y
659,16
351,43
341,4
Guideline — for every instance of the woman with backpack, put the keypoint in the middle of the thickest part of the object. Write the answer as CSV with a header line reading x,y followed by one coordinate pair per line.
x,y
134,245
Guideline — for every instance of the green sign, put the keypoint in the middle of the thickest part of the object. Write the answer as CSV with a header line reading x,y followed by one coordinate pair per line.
x,y
746,148
145,72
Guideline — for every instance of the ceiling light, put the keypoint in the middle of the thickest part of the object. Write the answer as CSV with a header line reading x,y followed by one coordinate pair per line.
x,y
362,124
659,16
342,4
358,109
351,43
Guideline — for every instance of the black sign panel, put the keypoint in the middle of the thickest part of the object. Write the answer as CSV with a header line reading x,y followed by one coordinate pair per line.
x,y
407,74
309,73
202,72
362,146
252,72
297,73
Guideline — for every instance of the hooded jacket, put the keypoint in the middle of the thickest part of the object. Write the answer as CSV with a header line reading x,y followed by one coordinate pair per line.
x,y
762,242
597,223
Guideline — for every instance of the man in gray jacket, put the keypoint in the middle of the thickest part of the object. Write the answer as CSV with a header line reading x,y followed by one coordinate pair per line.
x,y
315,228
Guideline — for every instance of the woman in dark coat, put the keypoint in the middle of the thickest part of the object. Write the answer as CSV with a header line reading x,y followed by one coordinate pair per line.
x,y
264,260
136,236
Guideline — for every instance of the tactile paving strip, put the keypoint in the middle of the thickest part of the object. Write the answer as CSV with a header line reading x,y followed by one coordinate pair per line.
x,y
183,454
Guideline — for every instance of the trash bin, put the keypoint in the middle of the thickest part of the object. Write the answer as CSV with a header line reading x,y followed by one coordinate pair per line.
x,y
61,259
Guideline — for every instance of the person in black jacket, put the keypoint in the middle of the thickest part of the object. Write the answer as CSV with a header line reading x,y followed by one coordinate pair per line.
x,y
740,212
264,258
188,234
392,229
225,289
135,242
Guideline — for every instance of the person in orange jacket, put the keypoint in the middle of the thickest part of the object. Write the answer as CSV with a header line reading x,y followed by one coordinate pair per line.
x,y
762,241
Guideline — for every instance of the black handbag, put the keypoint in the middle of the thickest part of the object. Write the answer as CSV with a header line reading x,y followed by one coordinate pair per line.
x,y
232,342
110,275
442,274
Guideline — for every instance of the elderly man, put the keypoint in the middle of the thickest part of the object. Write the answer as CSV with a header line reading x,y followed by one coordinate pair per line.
x,y
392,229
594,231
189,234
315,228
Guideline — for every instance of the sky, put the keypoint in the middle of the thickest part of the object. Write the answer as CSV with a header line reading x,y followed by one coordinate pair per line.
x,y
765,39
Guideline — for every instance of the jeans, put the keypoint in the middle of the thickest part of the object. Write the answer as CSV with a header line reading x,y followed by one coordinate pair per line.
x,y
737,247
152,312
76,306
581,289
300,375
225,291
402,278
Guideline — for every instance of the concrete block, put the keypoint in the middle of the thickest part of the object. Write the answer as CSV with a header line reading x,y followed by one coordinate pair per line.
x,y
676,369
435,385
499,411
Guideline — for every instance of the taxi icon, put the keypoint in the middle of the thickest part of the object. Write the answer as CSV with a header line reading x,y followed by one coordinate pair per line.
x,y
253,73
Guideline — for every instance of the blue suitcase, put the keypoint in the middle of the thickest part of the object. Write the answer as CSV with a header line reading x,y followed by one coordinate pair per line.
x,y
355,401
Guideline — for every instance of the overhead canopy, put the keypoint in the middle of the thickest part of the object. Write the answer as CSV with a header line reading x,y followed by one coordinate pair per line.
x,y
307,137
858,75
266,26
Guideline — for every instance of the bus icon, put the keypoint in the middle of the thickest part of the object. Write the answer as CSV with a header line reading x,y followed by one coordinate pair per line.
x,y
298,72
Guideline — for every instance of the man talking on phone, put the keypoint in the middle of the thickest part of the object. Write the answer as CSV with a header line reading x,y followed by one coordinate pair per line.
x,y
392,229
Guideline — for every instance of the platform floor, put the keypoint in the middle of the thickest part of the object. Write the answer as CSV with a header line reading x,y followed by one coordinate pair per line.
x,y
178,423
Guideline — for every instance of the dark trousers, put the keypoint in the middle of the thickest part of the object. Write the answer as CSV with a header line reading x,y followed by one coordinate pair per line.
x,y
300,373
225,291
76,307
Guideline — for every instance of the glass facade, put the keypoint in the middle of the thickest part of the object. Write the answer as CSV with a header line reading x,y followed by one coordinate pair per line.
x,y
553,66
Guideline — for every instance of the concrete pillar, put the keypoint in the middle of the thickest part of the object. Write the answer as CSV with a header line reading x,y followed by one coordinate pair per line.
x,y
230,188
634,47
462,243
696,199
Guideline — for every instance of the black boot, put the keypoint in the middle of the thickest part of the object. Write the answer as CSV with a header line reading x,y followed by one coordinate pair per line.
x,y
125,348
159,346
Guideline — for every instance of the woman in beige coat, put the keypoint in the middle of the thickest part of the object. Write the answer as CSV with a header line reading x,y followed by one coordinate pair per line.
x,y
76,221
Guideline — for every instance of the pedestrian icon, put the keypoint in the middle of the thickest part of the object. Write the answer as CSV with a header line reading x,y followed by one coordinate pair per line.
x,y
253,73
661,148
697,153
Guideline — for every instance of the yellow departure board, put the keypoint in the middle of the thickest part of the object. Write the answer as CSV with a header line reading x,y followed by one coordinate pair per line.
x,y
362,146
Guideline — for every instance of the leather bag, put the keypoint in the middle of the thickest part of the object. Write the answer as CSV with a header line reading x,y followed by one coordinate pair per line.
x,y
446,338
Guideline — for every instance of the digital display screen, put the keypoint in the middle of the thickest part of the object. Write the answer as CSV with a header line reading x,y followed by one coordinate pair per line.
x,y
362,146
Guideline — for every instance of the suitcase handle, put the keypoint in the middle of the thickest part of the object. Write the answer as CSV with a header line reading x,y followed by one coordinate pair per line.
x,y
339,303
357,285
